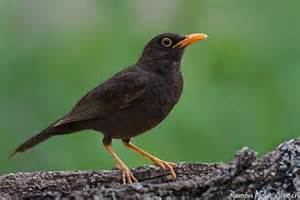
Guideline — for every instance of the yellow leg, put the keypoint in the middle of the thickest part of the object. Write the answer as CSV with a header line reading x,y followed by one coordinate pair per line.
x,y
127,176
155,160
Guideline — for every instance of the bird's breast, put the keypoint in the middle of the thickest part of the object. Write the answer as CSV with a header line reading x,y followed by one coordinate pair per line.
x,y
166,92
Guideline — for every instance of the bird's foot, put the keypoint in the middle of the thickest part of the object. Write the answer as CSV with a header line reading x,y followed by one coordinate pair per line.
x,y
165,165
127,176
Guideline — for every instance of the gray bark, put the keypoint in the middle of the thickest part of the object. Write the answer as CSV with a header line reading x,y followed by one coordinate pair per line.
x,y
245,177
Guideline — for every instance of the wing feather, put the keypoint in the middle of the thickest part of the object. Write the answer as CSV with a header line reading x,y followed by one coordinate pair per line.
x,y
117,93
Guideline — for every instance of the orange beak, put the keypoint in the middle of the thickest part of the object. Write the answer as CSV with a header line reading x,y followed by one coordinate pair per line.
x,y
190,39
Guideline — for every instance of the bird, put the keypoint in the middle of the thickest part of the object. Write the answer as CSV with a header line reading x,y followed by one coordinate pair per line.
x,y
130,102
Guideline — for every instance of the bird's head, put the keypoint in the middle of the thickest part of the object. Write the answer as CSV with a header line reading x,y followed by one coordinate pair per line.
x,y
165,50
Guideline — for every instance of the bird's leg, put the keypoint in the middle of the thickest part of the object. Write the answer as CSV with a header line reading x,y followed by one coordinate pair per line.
x,y
163,164
127,176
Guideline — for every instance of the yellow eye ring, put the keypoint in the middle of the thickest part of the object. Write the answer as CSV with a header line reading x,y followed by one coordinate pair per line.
x,y
166,42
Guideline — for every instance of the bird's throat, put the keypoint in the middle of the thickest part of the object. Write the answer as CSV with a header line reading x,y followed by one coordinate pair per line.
x,y
164,67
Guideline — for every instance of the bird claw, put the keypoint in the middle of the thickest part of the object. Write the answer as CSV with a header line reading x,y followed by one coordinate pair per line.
x,y
127,176
166,165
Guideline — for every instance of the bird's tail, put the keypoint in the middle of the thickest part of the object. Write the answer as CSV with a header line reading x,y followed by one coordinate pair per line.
x,y
52,130
36,139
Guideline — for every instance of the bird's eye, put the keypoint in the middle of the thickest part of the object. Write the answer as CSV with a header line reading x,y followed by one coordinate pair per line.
x,y
166,42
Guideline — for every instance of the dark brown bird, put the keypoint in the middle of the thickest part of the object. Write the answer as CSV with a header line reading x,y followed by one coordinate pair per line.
x,y
131,102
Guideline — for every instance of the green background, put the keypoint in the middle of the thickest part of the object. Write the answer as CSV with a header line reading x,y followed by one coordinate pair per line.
x,y
241,85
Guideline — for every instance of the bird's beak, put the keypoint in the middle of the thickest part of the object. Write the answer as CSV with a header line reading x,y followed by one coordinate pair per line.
x,y
190,39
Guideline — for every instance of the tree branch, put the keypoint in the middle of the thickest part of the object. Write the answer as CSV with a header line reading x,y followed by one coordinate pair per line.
x,y
276,173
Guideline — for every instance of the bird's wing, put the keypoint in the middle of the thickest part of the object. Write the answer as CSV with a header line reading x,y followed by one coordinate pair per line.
x,y
115,94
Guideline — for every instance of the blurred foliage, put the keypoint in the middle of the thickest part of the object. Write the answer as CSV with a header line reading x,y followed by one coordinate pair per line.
x,y
241,85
